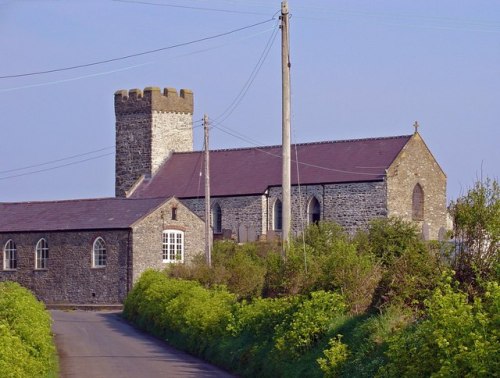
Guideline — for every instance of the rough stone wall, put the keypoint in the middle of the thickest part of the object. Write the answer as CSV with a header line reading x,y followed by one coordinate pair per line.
x,y
415,164
150,125
147,236
352,205
236,211
70,277
170,132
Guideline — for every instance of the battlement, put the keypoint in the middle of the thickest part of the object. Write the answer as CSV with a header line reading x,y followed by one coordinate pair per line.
x,y
153,99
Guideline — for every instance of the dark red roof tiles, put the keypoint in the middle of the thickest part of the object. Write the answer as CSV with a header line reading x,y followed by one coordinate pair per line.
x,y
86,214
249,171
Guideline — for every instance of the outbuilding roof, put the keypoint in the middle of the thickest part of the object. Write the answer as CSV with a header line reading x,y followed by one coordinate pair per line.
x,y
248,171
84,214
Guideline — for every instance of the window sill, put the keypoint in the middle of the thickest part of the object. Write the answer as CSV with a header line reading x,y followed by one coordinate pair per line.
x,y
173,261
9,270
41,269
99,267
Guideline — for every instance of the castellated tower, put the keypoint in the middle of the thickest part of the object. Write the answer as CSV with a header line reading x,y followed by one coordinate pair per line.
x,y
150,125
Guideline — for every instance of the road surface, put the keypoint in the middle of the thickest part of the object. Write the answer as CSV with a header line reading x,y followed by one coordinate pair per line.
x,y
100,344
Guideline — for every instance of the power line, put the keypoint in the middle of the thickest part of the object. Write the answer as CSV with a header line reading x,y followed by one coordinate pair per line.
x,y
56,161
261,149
125,68
237,100
56,167
137,54
189,7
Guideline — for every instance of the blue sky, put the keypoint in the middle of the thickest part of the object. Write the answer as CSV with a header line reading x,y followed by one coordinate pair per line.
x,y
359,69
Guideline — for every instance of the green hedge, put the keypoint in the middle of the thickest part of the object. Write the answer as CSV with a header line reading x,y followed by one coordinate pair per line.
x,y
264,337
26,345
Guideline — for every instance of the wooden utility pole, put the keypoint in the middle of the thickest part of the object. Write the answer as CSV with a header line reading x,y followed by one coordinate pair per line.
x,y
208,241
285,71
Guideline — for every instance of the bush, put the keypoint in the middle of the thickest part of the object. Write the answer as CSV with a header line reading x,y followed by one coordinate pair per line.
x,y
476,218
335,356
455,339
26,345
183,312
305,327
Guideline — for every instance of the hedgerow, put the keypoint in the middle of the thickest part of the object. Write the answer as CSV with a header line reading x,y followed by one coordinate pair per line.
x,y
26,344
372,305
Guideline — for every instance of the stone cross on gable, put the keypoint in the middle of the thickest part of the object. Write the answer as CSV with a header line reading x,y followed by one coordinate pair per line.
x,y
416,126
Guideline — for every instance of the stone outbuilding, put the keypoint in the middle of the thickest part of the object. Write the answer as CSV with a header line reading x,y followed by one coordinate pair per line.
x,y
93,250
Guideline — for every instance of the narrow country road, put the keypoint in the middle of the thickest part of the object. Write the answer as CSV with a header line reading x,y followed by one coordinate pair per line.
x,y
100,344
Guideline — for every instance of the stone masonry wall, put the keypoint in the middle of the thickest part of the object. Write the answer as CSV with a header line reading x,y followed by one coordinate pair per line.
x,y
415,164
352,205
147,236
170,132
70,277
236,211
150,125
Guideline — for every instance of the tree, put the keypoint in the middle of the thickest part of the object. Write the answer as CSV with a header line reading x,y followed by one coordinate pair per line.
x,y
476,218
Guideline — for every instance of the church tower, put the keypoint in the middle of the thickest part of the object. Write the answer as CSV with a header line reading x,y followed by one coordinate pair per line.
x,y
150,125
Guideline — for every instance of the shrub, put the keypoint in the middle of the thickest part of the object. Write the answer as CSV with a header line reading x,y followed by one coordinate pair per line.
x,y
183,312
456,339
26,344
355,275
303,328
335,356
476,218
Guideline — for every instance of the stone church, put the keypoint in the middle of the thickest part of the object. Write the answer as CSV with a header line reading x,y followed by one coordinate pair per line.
x,y
349,182
93,250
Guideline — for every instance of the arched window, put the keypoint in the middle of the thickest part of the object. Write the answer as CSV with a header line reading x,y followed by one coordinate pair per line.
x,y
10,255
278,215
418,203
313,211
41,254
217,218
99,253
173,246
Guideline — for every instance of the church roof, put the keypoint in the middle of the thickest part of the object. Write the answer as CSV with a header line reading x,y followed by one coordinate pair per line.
x,y
84,214
248,171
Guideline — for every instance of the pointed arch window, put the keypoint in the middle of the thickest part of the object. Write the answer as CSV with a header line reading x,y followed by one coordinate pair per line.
x,y
313,211
418,203
41,254
217,219
99,255
10,255
278,215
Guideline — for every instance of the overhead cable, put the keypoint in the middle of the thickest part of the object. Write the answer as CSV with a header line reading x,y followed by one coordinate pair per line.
x,y
137,54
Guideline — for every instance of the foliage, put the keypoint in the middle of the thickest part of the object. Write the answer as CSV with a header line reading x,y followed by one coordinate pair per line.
x,y
26,345
182,311
308,324
389,238
239,267
410,270
334,357
455,339
476,218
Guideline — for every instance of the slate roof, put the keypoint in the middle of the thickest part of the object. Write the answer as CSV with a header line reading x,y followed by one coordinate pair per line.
x,y
85,214
248,171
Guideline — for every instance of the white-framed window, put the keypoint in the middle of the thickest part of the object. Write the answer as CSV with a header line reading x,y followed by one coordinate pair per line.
x,y
217,219
313,211
42,254
99,253
278,215
173,246
10,255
